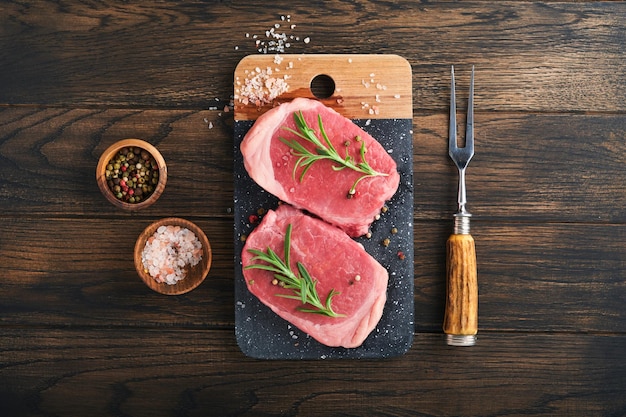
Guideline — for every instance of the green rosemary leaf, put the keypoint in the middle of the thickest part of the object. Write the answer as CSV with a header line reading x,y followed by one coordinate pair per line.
x,y
331,294
304,171
324,135
264,267
287,247
304,289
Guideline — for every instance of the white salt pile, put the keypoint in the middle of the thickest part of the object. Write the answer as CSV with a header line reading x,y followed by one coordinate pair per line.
x,y
262,85
169,252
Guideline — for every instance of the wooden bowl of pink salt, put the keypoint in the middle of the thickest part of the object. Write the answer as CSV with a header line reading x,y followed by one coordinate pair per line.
x,y
172,256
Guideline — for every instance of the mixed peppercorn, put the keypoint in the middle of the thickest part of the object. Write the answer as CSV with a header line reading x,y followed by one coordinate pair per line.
x,y
132,174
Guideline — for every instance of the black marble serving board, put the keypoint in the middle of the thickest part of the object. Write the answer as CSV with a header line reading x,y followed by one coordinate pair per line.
x,y
262,334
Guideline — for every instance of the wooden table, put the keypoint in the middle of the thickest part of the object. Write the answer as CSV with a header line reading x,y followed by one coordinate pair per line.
x,y
80,334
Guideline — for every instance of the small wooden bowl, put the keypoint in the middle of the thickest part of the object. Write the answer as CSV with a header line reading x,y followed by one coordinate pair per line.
x,y
104,161
195,275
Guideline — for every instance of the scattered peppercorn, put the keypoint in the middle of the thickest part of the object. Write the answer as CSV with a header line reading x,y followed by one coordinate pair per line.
x,y
253,218
386,242
132,174
401,255
394,230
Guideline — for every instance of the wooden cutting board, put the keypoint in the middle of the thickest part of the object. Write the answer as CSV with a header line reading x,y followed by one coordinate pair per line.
x,y
375,92
366,86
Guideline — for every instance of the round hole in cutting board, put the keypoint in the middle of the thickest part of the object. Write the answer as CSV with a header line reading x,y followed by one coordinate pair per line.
x,y
322,86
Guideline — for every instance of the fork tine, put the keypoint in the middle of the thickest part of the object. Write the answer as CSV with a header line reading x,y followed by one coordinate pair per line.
x,y
452,132
469,130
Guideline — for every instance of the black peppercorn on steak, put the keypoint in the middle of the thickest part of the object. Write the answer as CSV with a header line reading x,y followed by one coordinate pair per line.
x,y
310,156
315,276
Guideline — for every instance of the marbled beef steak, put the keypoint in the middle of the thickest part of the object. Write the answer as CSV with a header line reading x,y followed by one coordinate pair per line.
x,y
322,190
331,257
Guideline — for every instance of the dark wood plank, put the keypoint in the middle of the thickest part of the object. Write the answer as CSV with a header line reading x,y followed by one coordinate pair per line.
x,y
103,372
79,272
49,156
526,167
530,56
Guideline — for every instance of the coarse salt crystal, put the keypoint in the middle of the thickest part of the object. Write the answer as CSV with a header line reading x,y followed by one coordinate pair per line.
x,y
168,253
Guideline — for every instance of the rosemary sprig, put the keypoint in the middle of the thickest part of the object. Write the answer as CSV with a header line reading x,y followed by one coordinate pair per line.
x,y
302,284
324,150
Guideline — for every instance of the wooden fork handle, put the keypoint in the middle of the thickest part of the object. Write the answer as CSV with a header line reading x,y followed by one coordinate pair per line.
x,y
461,315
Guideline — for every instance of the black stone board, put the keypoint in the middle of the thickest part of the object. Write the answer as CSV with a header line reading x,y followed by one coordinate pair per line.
x,y
262,334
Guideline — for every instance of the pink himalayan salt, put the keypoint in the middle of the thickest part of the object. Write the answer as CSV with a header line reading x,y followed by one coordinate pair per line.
x,y
168,253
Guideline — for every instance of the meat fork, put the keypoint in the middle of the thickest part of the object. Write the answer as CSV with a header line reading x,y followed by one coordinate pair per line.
x,y
461,315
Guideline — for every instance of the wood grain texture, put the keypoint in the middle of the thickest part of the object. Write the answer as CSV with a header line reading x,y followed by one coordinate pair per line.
x,y
80,334
527,167
529,56
375,86
461,313
177,373
552,277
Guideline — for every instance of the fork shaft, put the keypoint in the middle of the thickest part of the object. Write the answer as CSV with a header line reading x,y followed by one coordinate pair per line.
x,y
461,314
462,194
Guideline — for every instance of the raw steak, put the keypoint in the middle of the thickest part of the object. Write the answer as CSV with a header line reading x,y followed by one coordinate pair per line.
x,y
331,257
322,191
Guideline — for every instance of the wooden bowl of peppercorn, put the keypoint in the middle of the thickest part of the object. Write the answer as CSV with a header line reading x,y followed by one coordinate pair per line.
x,y
131,174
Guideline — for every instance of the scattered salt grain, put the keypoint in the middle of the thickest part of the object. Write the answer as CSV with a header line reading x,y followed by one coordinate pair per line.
x,y
275,41
169,252
262,87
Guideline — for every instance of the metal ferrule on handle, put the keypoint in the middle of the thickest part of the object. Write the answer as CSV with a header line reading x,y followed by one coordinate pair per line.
x,y
462,223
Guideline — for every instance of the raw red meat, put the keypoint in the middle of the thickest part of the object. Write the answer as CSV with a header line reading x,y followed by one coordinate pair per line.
x,y
336,261
323,191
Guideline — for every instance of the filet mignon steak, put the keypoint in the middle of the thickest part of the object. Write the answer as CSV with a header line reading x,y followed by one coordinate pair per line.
x,y
322,190
332,258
